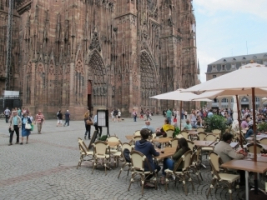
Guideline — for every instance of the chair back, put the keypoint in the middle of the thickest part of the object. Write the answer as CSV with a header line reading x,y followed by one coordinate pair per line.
x,y
82,145
250,148
184,134
190,145
126,145
174,142
187,159
137,133
169,133
202,136
215,164
217,132
137,138
100,147
138,160
211,137
113,139
200,130
179,136
263,141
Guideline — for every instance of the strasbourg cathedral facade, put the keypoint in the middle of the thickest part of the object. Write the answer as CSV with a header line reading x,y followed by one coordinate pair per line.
x,y
74,54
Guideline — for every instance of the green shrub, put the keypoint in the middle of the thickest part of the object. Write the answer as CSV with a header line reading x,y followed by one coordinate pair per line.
x,y
215,122
262,127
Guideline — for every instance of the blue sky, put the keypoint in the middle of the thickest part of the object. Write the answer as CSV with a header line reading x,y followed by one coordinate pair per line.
x,y
224,26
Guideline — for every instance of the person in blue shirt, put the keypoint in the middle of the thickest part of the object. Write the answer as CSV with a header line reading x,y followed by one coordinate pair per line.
x,y
250,130
147,148
148,127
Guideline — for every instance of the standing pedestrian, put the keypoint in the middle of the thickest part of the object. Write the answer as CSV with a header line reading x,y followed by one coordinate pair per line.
x,y
169,115
7,114
39,120
67,118
87,122
25,132
119,116
15,123
19,112
134,114
59,118
97,128
148,115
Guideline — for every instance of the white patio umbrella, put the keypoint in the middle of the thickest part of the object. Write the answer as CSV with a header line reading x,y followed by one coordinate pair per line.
x,y
250,76
179,96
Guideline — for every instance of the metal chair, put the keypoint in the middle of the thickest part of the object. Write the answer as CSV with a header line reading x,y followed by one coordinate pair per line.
x,y
138,161
202,136
219,177
181,175
84,152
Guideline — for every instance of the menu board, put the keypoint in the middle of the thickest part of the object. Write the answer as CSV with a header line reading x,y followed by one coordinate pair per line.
x,y
102,118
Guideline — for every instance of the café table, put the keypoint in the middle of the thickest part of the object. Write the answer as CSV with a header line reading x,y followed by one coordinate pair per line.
x,y
247,166
168,152
258,137
129,137
162,140
260,157
202,143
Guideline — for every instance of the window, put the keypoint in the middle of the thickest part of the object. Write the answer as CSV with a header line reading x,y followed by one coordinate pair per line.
x,y
224,100
257,99
214,76
233,67
223,67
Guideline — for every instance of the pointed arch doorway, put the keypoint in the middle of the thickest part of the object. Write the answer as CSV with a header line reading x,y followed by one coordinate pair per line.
x,y
149,82
96,82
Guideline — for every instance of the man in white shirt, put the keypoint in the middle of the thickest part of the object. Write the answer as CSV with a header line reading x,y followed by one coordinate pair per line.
x,y
7,114
97,128
147,125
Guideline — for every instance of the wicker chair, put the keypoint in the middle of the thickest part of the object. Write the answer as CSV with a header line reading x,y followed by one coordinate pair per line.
x,y
217,132
199,130
181,175
170,133
101,152
115,151
84,152
250,148
202,136
185,135
174,143
195,164
191,145
138,161
263,141
125,163
219,177
137,133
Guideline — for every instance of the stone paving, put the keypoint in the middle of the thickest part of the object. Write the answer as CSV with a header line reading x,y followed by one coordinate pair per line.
x,y
46,168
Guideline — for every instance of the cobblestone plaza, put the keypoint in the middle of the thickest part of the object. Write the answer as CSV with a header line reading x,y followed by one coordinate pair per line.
x,y
46,168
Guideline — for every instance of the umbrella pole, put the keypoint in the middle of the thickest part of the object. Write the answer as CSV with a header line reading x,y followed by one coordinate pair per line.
x,y
239,122
181,115
254,132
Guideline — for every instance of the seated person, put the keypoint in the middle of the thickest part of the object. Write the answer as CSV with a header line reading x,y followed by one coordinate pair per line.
x,y
244,123
188,126
148,150
227,153
147,125
169,163
250,130
167,126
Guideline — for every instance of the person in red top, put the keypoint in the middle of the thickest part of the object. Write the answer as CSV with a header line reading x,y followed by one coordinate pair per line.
x,y
39,119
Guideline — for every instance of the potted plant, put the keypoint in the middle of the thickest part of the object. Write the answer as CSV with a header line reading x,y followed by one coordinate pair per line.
x,y
215,122
262,127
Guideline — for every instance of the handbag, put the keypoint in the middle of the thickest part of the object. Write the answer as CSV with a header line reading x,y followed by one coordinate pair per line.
x,y
28,126
89,122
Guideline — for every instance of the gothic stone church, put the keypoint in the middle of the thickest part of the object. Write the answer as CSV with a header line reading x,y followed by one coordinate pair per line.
x,y
74,54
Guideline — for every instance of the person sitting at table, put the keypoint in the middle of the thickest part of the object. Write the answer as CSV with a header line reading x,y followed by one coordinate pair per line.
x,y
147,125
162,131
169,163
227,153
148,150
250,130
188,126
244,123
